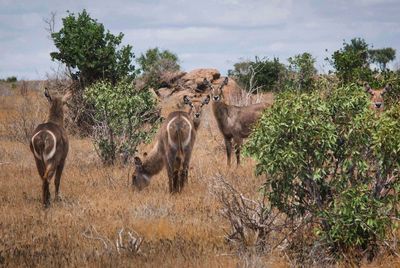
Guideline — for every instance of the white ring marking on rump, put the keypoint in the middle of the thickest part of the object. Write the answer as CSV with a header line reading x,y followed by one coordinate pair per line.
x,y
187,141
53,150
33,145
170,141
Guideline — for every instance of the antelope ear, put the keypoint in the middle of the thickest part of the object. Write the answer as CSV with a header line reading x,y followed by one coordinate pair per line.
x,y
225,81
138,162
387,88
47,94
368,88
186,100
206,100
206,82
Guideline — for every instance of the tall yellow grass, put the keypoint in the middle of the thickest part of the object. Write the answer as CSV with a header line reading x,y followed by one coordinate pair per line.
x,y
98,202
182,230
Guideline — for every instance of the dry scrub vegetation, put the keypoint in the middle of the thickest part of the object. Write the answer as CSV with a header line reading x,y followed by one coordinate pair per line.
x,y
102,221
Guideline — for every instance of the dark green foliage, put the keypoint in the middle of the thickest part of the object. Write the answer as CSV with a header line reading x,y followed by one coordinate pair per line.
x,y
261,74
154,63
332,160
351,61
10,79
356,220
291,144
90,52
382,56
124,118
303,71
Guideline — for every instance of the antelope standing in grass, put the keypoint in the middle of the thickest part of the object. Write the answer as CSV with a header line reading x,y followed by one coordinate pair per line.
x,y
234,122
377,96
173,149
49,145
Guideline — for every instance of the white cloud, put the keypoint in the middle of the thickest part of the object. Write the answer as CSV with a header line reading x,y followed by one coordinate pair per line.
x,y
214,33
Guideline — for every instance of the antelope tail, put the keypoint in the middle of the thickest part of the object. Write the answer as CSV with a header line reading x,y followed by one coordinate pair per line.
x,y
179,149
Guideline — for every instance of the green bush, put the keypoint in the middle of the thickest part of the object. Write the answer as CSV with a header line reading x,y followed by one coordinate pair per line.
x,y
90,52
351,62
260,75
356,220
154,63
303,72
332,162
124,118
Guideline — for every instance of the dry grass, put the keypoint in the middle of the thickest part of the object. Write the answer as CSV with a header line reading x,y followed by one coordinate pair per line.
x,y
97,203
183,230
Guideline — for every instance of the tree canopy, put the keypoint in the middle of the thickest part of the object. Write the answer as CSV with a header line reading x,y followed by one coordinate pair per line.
x,y
91,52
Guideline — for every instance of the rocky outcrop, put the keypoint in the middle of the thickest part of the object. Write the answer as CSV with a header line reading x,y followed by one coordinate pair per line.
x,y
193,83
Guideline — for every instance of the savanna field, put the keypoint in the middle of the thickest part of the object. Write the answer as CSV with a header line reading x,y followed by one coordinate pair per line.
x,y
293,89
99,207
102,221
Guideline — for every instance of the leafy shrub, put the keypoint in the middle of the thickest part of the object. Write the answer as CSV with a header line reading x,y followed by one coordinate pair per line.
x,y
303,71
260,75
356,220
124,118
351,61
154,63
90,52
10,79
331,162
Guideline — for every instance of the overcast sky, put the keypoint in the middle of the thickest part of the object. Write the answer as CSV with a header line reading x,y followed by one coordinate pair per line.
x,y
207,33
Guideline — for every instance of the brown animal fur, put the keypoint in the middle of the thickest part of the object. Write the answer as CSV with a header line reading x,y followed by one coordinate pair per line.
x,y
234,122
377,102
49,145
173,149
195,108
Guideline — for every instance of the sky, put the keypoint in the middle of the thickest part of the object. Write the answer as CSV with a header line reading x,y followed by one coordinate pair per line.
x,y
204,34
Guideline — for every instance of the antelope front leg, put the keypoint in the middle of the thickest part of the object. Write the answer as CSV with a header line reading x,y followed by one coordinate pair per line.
x,y
228,146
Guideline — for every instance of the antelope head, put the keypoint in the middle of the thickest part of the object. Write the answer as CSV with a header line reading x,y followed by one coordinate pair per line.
x,y
216,91
57,105
377,95
139,179
196,106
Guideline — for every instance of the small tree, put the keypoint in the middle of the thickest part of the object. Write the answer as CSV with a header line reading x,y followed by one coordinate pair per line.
x,y
261,74
351,61
154,63
330,163
382,57
90,52
302,67
124,118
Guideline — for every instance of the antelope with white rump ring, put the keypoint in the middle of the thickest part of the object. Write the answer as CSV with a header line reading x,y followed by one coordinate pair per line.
x,y
173,149
49,145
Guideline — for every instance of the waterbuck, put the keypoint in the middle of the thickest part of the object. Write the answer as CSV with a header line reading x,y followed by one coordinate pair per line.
x,y
172,149
49,145
234,122
196,107
377,96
